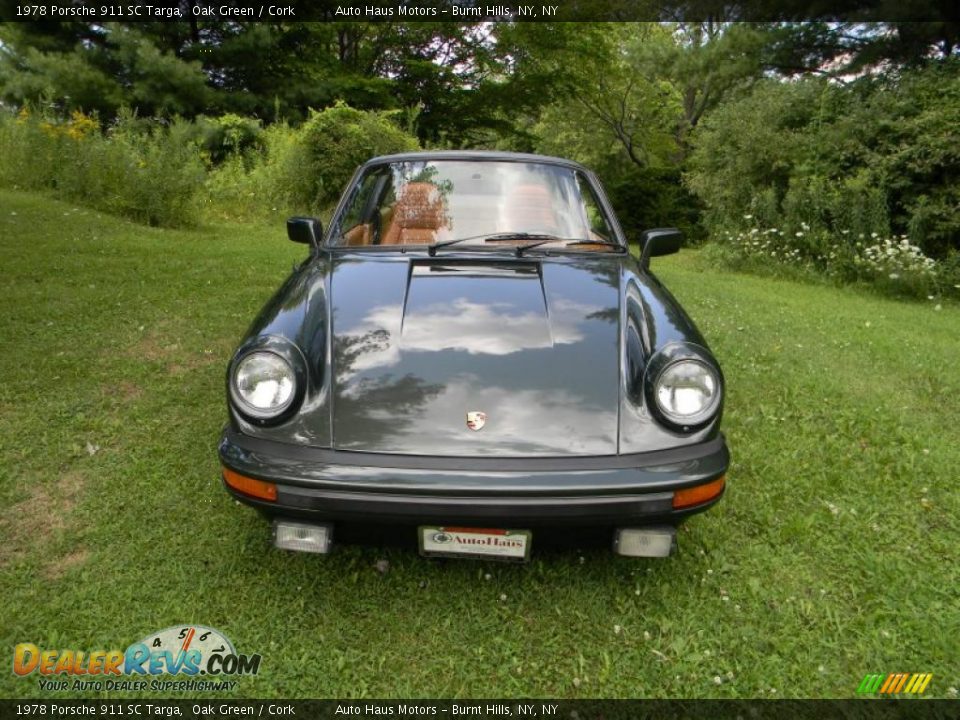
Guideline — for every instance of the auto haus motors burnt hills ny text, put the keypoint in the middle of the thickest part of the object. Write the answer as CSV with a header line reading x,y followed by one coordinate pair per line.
x,y
454,11
496,709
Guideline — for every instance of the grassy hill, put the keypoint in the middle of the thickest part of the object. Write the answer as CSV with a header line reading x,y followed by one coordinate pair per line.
x,y
832,555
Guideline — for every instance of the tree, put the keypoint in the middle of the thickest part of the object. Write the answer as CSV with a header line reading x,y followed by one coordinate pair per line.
x,y
98,70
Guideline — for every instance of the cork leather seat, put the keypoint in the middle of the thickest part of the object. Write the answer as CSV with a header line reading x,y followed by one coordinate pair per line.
x,y
417,216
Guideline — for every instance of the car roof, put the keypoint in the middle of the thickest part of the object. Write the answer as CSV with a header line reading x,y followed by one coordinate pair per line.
x,y
493,155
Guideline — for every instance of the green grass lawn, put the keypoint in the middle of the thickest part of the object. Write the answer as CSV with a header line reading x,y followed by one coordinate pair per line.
x,y
833,554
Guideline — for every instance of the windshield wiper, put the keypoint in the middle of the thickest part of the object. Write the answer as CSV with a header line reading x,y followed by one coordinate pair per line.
x,y
541,238
605,243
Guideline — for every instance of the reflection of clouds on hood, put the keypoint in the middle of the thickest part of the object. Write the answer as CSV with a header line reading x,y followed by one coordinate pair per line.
x,y
476,328
553,422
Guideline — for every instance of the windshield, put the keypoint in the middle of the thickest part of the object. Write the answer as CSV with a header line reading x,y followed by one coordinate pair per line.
x,y
467,202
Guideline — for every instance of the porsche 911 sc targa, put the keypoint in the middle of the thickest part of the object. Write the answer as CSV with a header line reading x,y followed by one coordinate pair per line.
x,y
471,351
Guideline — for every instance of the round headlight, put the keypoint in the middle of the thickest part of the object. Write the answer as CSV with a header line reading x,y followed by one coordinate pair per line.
x,y
263,384
688,392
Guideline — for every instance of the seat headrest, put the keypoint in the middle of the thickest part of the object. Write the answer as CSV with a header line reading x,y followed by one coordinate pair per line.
x,y
419,205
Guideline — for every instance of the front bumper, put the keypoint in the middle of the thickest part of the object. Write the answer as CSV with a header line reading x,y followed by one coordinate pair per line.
x,y
335,485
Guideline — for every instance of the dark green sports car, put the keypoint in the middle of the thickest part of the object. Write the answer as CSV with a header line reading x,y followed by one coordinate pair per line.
x,y
472,351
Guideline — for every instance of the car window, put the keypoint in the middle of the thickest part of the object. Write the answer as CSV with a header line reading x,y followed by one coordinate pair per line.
x,y
357,222
423,202
595,217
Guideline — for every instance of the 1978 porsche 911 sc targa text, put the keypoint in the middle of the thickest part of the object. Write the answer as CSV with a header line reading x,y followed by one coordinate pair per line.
x,y
472,350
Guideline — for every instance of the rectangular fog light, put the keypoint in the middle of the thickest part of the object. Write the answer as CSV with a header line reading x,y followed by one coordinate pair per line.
x,y
302,537
644,542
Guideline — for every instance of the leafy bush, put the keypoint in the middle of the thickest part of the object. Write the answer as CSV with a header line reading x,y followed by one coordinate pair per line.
x,y
336,141
302,170
147,171
881,155
654,197
165,176
228,135
164,172
892,263
262,183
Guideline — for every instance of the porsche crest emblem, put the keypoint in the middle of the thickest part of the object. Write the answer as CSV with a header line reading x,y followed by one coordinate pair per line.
x,y
476,419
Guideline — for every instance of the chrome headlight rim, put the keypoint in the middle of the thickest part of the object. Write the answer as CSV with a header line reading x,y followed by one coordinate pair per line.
x,y
668,358
292,357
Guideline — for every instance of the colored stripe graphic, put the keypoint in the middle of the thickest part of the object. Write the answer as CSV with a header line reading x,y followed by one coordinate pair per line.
x,y
921,686
870,683
888,683
895,683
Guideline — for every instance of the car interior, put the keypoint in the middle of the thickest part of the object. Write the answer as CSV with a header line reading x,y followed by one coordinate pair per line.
x,y
418,212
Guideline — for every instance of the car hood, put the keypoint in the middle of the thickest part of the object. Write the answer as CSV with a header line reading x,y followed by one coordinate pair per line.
x,y
418,344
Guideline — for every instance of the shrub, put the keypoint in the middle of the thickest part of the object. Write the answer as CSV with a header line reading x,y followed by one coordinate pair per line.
x,y
228,135
263,183
879,155
163,173
303,170
654,197
893,264
147,171
337,140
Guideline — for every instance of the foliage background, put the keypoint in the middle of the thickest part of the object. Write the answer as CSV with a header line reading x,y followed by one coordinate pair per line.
x,y
812,149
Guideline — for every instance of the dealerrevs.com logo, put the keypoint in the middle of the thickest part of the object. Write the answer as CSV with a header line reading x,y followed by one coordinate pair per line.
x,y
189,651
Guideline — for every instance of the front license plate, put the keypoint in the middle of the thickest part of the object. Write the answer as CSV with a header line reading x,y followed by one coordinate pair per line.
x,y
464,542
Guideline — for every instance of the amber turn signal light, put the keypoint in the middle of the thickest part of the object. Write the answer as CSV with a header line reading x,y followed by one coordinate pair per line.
x,y
249,486
698,494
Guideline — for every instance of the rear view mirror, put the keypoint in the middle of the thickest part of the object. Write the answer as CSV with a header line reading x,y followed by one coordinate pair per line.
x,y
306,230
658,241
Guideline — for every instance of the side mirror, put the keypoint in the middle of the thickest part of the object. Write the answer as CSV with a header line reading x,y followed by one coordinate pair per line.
x,y
306,230
658,241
